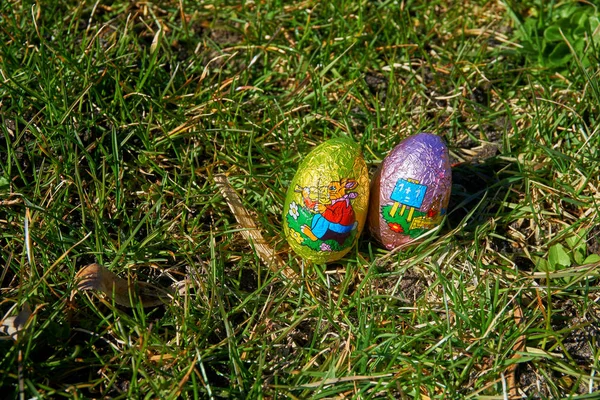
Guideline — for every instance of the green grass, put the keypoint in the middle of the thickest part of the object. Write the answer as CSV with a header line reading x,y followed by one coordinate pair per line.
x,y
115,118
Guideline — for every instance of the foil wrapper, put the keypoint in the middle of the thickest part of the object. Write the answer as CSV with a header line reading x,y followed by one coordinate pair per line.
x,y
326,203
410,190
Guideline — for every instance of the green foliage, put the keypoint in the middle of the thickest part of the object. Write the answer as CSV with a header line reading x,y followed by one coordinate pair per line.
x,y
400,223
553,37
561,257
558,257
115,117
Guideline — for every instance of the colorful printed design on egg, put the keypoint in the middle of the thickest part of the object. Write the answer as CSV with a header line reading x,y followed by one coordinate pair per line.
x,y
405,214
410,190
324,224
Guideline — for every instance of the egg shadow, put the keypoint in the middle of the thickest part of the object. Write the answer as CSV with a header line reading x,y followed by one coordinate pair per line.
x,y
480,191
476,190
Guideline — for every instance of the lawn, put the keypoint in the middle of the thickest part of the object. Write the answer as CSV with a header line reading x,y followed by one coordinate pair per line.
x,y
118,119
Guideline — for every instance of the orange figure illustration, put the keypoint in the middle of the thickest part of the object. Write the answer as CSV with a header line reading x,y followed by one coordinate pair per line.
x,y
334,220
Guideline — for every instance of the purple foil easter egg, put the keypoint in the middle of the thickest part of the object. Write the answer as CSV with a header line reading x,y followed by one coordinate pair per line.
x,y
410,190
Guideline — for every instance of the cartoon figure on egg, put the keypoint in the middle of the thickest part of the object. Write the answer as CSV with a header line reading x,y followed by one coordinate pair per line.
x,y
333,218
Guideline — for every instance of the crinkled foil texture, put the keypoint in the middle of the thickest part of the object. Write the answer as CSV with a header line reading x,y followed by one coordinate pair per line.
x,y
420,161
331,161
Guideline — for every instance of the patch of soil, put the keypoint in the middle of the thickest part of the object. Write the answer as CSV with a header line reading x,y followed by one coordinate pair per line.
x,y
586,331
248,280
412,285
580,332
524,263
501,246
593,241
480,95
531,383
377,85
225,37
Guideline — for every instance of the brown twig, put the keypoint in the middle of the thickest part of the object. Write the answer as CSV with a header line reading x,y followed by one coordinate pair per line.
x,y
11,202
513,389
251,232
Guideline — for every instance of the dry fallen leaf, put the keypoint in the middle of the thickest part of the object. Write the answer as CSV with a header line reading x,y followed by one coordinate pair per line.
x,y
124,292
251,232
519,346
11,326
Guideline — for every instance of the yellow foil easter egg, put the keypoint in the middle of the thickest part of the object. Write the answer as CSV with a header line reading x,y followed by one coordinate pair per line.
x,y
327,201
